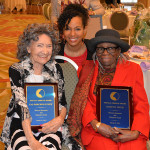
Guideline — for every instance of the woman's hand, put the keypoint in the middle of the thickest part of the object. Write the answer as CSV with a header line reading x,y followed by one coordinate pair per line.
x,y
36,145
107,131
104,129
52,126
126,135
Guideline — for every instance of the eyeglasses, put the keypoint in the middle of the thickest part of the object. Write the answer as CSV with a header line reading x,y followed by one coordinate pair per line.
x,y
101,50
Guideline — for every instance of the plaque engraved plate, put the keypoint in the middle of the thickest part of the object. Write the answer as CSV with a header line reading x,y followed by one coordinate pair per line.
x,y
114,106
42,101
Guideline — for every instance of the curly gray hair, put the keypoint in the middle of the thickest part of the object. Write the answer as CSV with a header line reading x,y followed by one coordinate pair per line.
x,y
32,32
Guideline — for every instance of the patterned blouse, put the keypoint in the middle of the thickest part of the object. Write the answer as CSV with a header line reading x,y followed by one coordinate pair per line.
x,y
104,78
18,73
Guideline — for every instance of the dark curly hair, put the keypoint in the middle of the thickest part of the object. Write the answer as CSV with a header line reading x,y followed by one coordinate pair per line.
x,y
32,32
72,10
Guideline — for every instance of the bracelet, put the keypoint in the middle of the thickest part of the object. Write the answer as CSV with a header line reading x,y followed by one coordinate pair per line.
x,y
97,126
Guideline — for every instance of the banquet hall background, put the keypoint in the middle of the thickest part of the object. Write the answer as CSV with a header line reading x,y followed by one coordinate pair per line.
x,y
12,24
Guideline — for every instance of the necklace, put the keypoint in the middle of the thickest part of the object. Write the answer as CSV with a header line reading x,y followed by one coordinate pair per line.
x,y
75,52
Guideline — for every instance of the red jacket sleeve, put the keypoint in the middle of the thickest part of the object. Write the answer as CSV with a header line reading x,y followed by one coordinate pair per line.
x,y
140,105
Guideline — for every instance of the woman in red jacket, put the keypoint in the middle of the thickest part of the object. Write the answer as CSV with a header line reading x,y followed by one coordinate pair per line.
x,y
110,67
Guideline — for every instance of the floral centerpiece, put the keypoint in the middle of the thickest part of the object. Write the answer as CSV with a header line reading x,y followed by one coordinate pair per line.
x,y
141,35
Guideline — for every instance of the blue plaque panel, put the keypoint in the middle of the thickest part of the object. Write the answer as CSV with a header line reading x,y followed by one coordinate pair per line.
x,y
42,101
114,106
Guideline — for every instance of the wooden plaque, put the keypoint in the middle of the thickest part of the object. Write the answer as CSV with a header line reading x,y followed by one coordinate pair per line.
x,y
42,101
114,106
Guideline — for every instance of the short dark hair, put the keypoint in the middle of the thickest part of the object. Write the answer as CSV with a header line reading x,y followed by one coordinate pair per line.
x,y
72,10
32,32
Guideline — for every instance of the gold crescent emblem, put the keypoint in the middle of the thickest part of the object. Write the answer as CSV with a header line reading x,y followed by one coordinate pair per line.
x,y
114,96
40,93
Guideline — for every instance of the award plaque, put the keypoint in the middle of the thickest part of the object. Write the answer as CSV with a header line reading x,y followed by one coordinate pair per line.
x,y
42,101
114,106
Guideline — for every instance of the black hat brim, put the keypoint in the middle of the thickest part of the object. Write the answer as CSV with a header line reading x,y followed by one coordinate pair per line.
x,y
108,39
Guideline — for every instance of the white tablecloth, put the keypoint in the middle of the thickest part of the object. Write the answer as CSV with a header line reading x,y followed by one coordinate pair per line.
x,y
146,75
19,4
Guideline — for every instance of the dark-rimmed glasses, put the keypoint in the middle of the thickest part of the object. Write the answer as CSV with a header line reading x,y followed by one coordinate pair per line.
x,y
101,50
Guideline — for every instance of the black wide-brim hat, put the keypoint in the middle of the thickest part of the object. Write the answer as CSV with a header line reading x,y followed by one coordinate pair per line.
x,y
108,36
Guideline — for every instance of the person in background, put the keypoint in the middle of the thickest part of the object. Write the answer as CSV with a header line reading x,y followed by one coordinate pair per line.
x,y
36,50
108,67
72,25
94,8
112,4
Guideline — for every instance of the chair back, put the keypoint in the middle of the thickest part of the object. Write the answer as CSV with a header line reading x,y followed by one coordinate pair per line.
x,y
45,1
119,20
70,77
2,2
49,11
36,2
46,9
